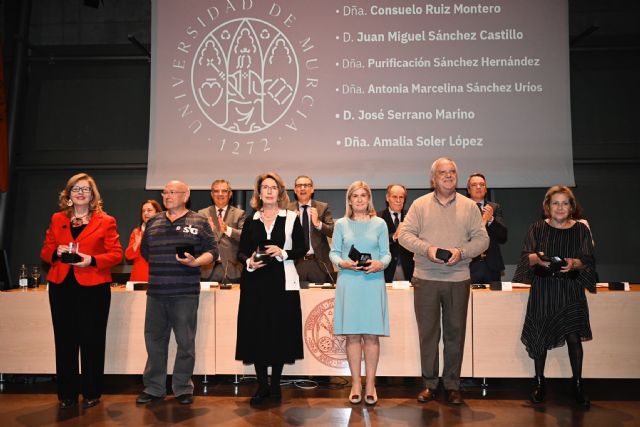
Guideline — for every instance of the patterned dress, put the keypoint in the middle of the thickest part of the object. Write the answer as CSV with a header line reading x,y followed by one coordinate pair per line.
x,y
557,303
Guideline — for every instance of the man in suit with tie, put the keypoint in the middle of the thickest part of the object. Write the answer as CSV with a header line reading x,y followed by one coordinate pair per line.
x,y
317,223
226,222
488,266
401,266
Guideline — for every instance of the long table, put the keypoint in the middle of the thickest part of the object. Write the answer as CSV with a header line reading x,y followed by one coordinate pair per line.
x,y
26,333
492,347
614,351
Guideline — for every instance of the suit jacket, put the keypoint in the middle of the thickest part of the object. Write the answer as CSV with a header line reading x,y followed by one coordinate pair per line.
x,y
497,236
99,239
140,270
397,250
228,246
319,238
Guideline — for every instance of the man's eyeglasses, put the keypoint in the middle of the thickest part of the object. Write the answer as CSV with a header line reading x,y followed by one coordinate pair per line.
x,y
171,193
81,190
304,185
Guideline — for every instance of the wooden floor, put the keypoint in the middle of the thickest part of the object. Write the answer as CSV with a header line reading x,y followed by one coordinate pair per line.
x,y
31,401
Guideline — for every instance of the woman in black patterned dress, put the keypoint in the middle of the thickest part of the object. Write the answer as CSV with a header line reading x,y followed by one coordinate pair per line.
x,y
557,310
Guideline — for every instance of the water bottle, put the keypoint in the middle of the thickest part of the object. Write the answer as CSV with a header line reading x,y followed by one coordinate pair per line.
x,y
23,278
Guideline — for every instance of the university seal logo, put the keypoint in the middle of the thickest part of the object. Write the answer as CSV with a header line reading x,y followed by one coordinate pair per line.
x,y
330,350
245,75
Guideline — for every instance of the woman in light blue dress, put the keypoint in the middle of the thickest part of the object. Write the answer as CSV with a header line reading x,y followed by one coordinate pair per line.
x,y
361,309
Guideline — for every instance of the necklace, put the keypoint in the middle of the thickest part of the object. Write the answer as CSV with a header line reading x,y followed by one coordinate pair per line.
x,y
78,220
269,215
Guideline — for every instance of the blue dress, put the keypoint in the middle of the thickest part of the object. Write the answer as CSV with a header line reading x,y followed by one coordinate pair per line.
x,y
361,299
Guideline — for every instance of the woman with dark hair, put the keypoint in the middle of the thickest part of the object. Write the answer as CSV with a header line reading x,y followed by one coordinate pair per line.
x,y
269,314
81,244
140,270
558,261
361,308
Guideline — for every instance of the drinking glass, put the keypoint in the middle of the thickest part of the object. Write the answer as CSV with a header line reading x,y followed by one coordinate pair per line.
x,y
35,273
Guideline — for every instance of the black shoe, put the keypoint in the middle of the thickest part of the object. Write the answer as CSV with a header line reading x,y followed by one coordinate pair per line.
x,y
259,397
185,399
539,392
145,398
68,403
454,397
581,398
275,393
90,403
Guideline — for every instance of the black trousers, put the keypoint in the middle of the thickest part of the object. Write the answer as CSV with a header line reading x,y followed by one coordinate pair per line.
x,y
79,315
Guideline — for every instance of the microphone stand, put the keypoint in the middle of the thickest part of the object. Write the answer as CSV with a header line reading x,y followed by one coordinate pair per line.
x,y
333,283
225,279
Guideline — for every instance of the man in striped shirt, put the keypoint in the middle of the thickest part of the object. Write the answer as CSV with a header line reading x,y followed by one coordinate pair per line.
x,y
175,243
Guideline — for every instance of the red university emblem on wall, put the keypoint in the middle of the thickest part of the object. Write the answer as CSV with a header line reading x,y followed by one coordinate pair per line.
x,y
329,349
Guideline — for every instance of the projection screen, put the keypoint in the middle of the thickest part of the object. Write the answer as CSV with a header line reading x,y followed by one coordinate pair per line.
x,y
372,90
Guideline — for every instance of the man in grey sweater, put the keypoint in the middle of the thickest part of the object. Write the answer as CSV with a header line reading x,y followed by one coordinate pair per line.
x,y
444,230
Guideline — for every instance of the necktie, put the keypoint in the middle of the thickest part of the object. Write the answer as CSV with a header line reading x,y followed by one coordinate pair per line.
x,y
479,206
305,226
396,223
220,217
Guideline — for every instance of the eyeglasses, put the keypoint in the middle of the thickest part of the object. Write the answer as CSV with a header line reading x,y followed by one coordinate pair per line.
x,y
81,190
304,185
269,187
219,191
171,193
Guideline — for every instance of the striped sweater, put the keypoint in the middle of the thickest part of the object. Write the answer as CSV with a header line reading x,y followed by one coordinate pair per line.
x,y
167,277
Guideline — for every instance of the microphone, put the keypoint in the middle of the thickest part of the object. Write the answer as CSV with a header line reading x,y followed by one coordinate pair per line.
x,y
225,279
333,283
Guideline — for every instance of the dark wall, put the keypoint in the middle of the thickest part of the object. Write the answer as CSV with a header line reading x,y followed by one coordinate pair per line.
x,y
87,109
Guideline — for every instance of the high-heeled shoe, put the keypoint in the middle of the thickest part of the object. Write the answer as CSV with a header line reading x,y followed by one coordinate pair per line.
x,y
356,398
371,399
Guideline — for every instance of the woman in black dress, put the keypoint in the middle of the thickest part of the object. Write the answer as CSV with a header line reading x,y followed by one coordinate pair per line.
x,y
557,310
269,315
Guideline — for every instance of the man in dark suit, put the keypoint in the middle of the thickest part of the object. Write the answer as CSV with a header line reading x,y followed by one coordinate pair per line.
x,y
393,216
488,266
317,222
226,222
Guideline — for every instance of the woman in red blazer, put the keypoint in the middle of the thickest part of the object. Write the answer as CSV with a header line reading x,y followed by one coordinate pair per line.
x,y
79,292
140,270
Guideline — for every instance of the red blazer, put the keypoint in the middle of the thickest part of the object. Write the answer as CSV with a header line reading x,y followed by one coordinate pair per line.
x,y
99,239
140,270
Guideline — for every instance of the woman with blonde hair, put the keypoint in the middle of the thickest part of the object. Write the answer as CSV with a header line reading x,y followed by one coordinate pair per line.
x,y
81,244
361,309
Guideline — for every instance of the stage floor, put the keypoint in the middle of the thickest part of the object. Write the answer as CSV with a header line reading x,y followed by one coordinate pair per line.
x,y
220,402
